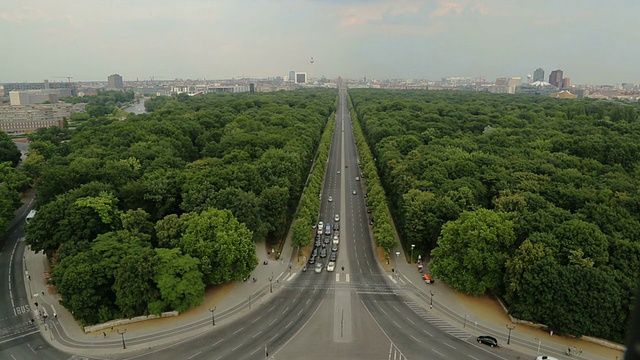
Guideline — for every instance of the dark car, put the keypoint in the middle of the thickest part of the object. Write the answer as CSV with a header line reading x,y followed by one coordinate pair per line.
x,y
327,239
334,247
314,253
312,260
333,256
317,243
488,340
317,236
323,253
336,226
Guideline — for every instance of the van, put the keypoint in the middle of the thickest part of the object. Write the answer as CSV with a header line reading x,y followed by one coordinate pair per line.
x,y
327,229
30,216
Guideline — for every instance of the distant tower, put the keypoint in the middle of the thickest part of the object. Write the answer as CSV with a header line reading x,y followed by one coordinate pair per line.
x,y
114,81
312,69
538,75
555,78
529,79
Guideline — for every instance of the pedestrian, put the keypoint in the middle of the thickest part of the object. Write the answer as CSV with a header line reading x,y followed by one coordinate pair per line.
x,y
551,333
104,334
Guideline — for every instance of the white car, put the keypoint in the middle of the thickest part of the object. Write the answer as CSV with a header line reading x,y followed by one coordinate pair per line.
x,y
336,217
353,192
331,266
318,268
336,239
357,178
338,172
330,199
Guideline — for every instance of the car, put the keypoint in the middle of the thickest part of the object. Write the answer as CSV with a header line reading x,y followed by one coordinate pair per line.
x,y
318,268
323,253
357,178
314,253
320,228
331,266
330,199
327,239
488,340
354,192
317,244
545,357
312,260
336,217
336,239
333,256
336,227
318,236
334,247
428,279
338,172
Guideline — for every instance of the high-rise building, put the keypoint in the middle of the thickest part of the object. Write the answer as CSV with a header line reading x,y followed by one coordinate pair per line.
x,y
538,75
566,83
301,78
292,76
555,78
115,82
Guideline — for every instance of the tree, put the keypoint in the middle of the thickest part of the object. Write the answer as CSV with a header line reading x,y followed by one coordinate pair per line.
x,y
179,281
222,244
472,251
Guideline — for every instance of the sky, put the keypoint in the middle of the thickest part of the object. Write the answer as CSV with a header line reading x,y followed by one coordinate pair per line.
x,y
592,41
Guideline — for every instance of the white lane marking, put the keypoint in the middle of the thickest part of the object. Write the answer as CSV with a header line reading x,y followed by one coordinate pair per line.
x,y
398,310
285,310
289,324
274,336
219,341
426,332
291,276
451,346
300,312
271,323
337,277
258,318
258,333
410,321
347,278
237,331
437,352
392,279
255,351
297,332
397,324
473,357
414,338
236,348
194,355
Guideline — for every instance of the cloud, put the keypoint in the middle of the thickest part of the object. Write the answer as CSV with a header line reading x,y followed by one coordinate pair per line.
x,y
24,14
446,8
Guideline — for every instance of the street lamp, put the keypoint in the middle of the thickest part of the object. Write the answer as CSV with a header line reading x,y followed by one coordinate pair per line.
x,y
124,346
509,337
270,283
213,317
412,247
539,341
431,302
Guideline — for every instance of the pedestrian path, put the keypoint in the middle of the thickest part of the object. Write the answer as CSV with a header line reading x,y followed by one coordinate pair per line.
x,y
438,322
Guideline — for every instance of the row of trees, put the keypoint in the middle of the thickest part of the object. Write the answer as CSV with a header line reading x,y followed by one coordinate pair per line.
x,y
176,197
13,180
531,198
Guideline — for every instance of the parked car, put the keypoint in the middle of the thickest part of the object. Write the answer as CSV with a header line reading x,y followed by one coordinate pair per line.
x,y
327,239
319,266
338,172
357,178
314,253
331,266
488,340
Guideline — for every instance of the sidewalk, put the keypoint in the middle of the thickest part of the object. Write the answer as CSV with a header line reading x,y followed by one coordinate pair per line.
x,y
486,316
229,301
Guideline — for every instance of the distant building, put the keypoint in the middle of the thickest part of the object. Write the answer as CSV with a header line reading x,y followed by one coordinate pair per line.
x,y
538,75
64,88
115,82
292,76
29,97
566,83
505,85
22,119
536,88
301,77
564,94
555,78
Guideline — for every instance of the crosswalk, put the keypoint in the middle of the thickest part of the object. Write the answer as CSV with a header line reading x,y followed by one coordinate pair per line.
x,y
438,322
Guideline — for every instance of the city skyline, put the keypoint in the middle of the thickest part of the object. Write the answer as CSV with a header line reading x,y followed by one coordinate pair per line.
x,y
378,39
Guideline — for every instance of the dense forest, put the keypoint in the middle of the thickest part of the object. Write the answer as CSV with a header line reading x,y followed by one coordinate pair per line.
x,y
139,216
533,199
13,180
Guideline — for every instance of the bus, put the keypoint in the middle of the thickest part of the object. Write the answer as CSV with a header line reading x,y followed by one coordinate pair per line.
x,y
30,216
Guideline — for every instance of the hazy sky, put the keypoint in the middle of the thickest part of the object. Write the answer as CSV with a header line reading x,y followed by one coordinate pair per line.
x,y
593,41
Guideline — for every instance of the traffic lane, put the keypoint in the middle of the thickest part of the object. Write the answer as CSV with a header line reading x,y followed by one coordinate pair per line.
x,y
272,323
324,340
31,347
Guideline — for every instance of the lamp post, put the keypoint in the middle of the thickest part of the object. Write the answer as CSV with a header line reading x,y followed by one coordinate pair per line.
x,y
431,302
539,341
213,317
124,346
509,337
270,283
413,246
